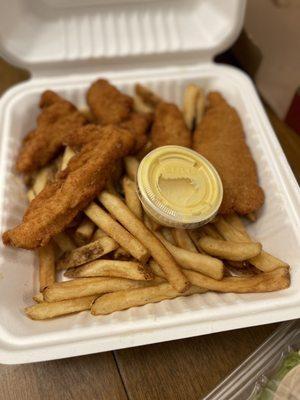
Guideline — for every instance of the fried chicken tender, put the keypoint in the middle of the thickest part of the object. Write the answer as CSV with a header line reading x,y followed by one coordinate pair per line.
x,y
169,127
220,138
57,118
108,104
147,96
72,190
137,124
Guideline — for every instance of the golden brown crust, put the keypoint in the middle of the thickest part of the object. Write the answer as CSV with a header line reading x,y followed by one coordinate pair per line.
x,y
108,104
220,138
169,127
73,189
138,124
57,118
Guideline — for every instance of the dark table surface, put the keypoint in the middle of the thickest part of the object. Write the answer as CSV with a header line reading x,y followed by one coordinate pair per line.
x,y
179,370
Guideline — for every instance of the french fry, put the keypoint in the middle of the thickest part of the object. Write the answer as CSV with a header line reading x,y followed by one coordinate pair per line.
x,y
264,261
57,163
195,235
82,287
38,298
264,282
156,269
131,197
198,262
140,106
50,310
147,95
122,213
150,223
110,187
46,266
64,242
247,270
235,251
200,106
121,254
89,252
68,154
168,234
189,105
98,234
113,229
30,195
85,231
183,240
112,269
211,231
117,301
237,223
147,221
41,179
131,166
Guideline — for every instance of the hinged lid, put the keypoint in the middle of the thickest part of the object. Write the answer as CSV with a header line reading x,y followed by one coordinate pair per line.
x,y
51,34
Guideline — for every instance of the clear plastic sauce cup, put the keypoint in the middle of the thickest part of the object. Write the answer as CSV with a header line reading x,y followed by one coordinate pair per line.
x,y
178,187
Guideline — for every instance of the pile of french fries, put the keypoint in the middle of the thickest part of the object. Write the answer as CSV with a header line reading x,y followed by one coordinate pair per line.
x,y
117,257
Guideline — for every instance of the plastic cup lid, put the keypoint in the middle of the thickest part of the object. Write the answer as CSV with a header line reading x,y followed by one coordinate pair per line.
x,y
178,187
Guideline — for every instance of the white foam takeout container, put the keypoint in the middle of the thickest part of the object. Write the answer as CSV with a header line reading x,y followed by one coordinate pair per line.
x,y
165,45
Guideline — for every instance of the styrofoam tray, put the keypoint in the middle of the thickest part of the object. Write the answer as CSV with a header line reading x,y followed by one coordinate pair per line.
x,y
23,340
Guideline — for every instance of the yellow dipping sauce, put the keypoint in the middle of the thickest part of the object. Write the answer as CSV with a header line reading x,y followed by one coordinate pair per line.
x,y
178,187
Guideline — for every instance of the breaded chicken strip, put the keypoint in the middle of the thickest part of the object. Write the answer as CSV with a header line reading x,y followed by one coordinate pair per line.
x,y
72,190
220,138
137,124
169,127
108,104
58,118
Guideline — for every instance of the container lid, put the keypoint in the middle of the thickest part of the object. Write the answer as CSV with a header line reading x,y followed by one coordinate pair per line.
x,y
51,34
179,187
